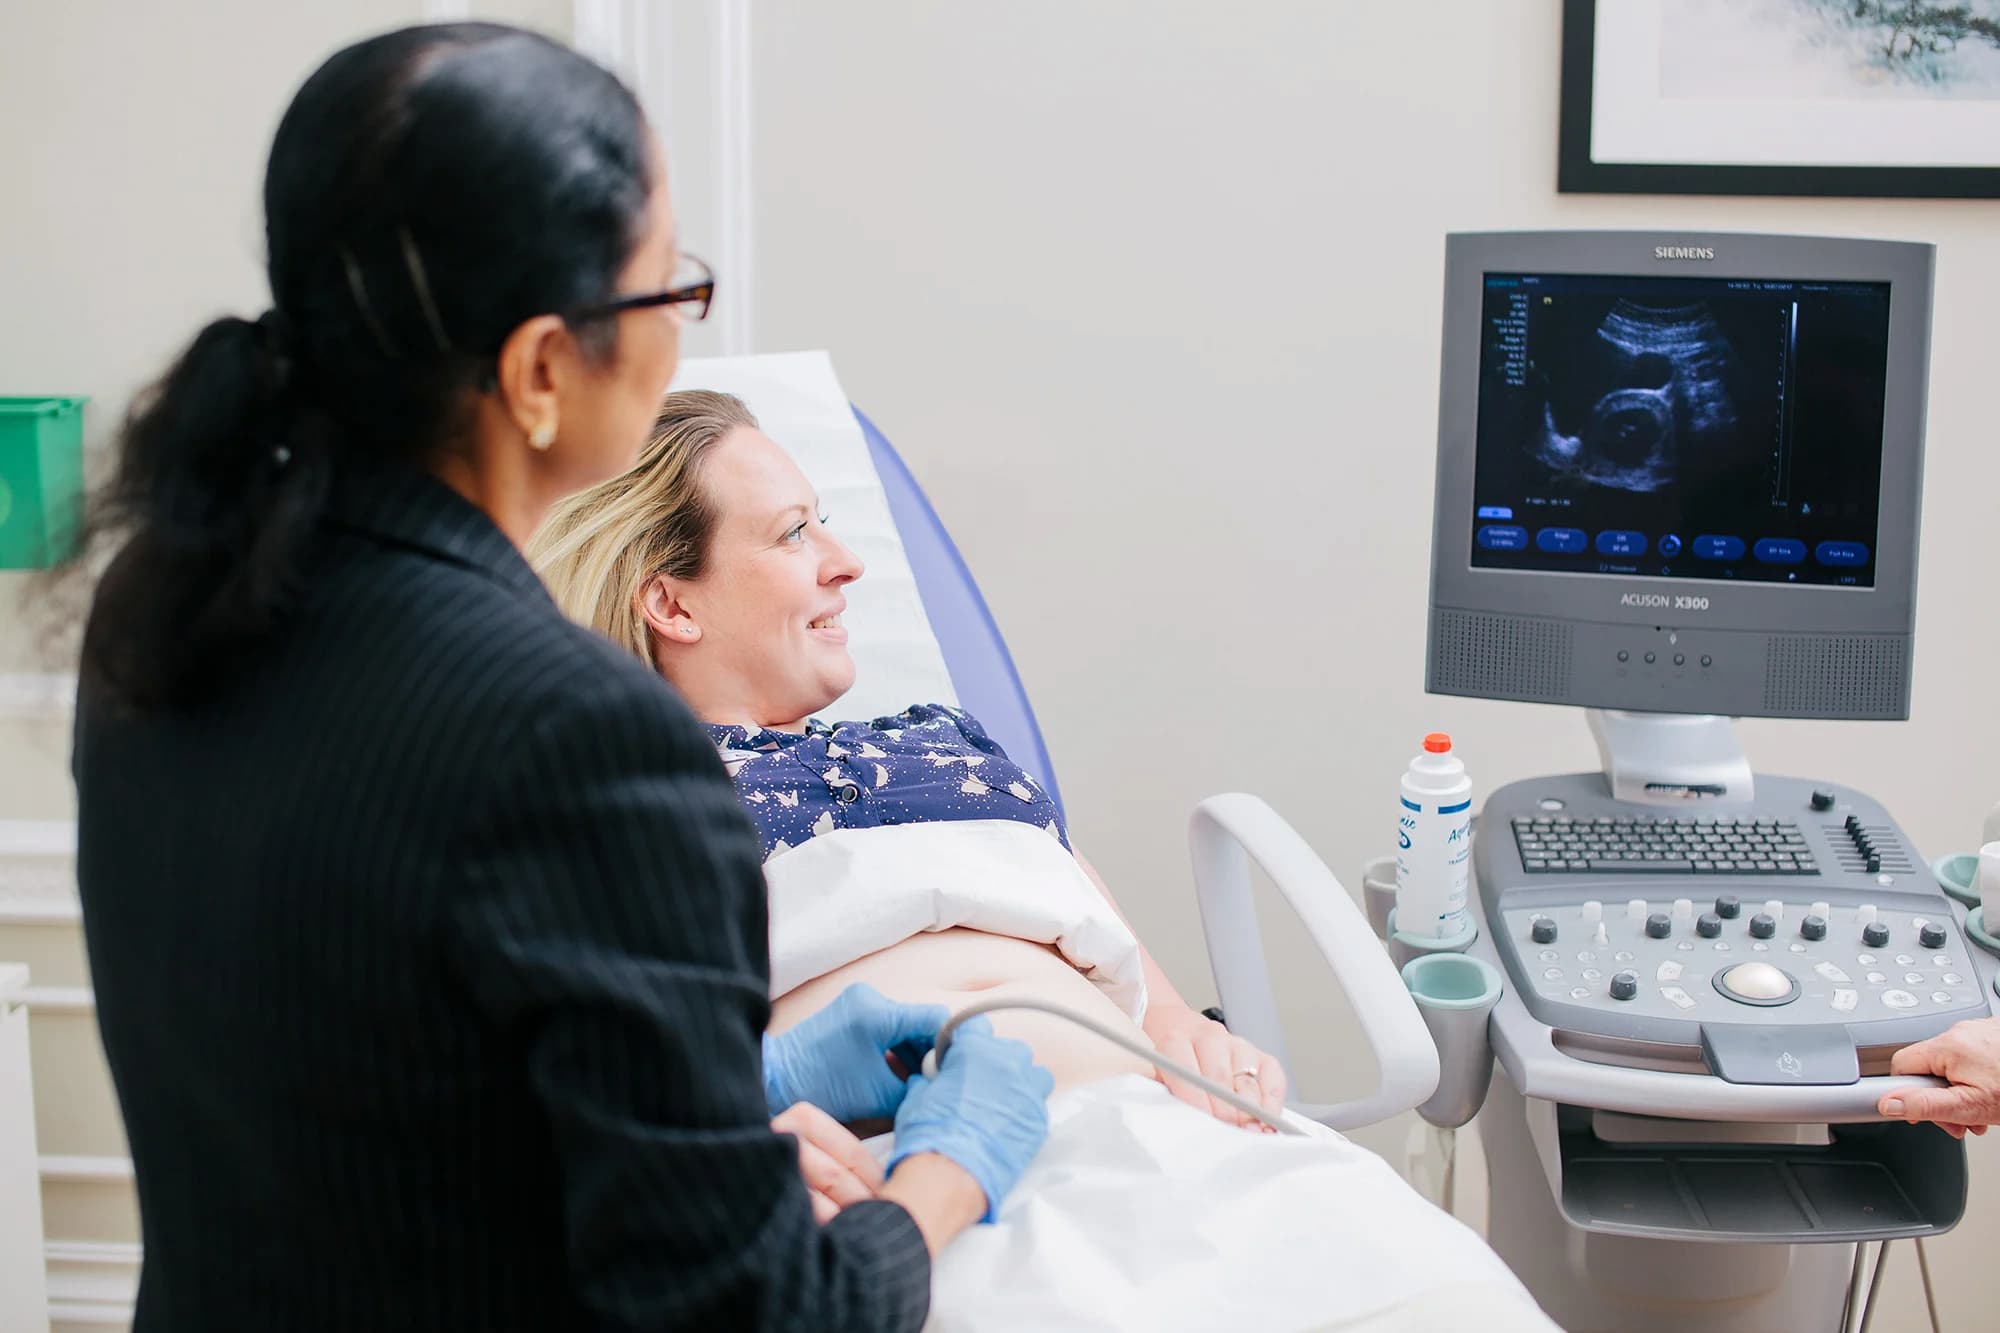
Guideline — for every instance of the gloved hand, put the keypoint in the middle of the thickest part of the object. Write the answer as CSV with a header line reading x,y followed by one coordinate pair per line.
x,y
985,1109
834,1059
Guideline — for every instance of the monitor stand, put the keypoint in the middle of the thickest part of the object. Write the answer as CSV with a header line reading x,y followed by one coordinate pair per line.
x,y
1670,758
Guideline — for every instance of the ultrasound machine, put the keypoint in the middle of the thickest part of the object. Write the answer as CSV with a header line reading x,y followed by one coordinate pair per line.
x,y
1678,482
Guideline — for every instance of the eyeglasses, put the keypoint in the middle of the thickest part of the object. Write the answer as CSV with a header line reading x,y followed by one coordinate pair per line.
x,y
693,289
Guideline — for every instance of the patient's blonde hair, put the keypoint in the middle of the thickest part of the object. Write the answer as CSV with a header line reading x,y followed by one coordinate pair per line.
x,y
597,549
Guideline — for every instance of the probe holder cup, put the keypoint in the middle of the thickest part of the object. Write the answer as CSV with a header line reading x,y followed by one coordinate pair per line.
x,y
1980,934
1378,893
1405,948
1455,993
1958,876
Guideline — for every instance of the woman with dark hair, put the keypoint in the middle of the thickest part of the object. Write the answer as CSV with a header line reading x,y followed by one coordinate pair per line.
x,y
427,934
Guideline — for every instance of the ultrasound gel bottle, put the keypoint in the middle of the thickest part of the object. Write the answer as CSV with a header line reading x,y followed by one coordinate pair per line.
x,y
1434,843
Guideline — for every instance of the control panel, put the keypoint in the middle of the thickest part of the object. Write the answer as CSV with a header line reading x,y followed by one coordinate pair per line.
x,y
1805,924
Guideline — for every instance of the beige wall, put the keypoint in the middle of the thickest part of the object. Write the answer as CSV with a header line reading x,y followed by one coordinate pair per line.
x,y
133,138
1148,294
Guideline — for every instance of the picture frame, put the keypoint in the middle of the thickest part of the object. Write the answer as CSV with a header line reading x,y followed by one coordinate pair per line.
x,y
1860,98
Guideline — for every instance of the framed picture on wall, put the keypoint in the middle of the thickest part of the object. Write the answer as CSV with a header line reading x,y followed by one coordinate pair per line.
x,y
1800,97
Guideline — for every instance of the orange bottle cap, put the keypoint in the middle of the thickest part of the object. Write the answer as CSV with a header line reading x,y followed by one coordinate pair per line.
x,y
1437,743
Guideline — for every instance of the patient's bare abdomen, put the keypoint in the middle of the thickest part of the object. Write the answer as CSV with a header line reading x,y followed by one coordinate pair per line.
x,y
958,967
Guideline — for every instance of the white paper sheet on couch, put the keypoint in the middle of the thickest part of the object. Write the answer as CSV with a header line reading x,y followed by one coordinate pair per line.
x,y
848,893
1143,1213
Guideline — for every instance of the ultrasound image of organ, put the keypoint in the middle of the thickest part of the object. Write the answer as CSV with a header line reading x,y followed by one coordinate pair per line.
x,y
1628,413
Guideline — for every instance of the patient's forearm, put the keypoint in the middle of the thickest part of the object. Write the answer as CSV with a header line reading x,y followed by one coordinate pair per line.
x,y
1160,993
939,1194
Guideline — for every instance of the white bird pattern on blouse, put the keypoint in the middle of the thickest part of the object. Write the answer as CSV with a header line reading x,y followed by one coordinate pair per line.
x,y
860,775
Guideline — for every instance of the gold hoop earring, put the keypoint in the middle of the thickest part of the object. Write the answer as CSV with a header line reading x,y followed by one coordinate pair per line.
x,y
543,435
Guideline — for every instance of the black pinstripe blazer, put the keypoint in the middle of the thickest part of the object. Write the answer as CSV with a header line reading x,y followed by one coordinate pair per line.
x,y
430,962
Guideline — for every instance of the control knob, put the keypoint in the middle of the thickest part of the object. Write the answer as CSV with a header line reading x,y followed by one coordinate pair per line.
x,y
1822,801
1659,925
1708,925
1763,926
1625,985
1875,934
1543,930
1931,936
1813,927
1727,907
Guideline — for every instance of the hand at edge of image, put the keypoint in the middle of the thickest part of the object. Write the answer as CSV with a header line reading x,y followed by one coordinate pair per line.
x,y
1967,1055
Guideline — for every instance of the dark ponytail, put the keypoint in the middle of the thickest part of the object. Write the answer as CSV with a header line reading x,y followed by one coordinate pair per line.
x,y
428,190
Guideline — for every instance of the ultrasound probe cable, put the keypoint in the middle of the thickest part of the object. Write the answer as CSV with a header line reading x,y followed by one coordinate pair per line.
x,y
1117,1038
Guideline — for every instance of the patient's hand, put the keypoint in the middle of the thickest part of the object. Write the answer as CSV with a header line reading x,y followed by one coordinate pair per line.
x,y
836,1168
1181,1034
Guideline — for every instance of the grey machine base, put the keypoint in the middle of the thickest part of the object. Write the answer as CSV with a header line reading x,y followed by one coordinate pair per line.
x,y
1635,1238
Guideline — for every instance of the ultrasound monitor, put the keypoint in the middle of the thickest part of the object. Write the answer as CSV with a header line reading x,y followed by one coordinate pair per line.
x,y
1680,473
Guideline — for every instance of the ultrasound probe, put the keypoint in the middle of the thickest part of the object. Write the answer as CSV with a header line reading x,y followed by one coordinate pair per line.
x,y
1110,1034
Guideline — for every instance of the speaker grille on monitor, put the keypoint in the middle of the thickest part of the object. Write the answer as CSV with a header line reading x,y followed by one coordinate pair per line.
x,y
1824,675
1507,657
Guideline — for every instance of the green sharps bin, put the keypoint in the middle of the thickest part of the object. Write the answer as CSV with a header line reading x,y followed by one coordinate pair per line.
x,y
41,480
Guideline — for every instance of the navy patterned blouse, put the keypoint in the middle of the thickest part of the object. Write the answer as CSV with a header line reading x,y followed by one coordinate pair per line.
x,y
927,764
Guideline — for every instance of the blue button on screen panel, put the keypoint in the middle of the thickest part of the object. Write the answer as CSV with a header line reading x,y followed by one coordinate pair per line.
x,y
1710,547
1616,542
1503,537
1495,511
1670,546
1843,555
1781,551
1562,541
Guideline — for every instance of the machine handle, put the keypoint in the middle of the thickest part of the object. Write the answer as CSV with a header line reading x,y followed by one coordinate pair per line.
x,y
1224,834
1528,1053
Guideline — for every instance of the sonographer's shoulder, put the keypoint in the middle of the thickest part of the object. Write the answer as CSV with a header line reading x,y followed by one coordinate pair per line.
x,y
491,659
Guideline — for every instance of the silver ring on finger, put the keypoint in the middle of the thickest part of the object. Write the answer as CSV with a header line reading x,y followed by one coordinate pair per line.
x,y
1246,1073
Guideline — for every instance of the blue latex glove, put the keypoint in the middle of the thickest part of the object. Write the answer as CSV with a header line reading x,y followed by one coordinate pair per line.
x,y
985,1109
834,1059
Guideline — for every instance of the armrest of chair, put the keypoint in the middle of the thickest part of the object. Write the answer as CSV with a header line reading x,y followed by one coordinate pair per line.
x,y
1224,834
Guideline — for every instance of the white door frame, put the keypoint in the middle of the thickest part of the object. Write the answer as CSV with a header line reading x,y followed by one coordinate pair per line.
x,y
690,63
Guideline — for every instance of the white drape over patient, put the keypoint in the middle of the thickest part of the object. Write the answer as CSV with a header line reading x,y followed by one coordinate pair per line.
x,y
851,892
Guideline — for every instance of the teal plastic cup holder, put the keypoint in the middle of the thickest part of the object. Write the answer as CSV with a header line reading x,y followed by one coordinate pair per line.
x,y
1455,993
1958,876
1404,947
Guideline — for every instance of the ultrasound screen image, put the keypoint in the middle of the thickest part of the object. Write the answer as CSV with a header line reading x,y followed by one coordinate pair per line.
x,y
1685,427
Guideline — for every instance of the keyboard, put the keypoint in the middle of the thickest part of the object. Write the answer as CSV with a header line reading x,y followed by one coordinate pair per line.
x,y
1662,845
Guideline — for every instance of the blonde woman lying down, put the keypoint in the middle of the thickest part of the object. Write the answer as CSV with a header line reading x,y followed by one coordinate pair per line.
x,y
711,562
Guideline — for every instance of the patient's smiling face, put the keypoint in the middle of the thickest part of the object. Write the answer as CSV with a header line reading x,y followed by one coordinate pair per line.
x,y
757,637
